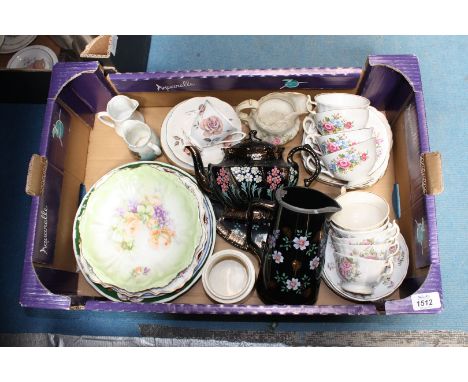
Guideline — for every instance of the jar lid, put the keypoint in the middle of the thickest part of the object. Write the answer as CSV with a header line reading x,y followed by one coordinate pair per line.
x,y
228,276
253,149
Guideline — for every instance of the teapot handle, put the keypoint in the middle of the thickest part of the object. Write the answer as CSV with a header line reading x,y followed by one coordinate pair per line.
x,y
314,157
267,205
247,104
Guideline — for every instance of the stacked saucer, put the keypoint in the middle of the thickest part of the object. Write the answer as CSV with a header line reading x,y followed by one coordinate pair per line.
x,y
143,233
350,157
366,256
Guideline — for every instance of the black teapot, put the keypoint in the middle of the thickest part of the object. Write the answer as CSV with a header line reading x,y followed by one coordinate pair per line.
x,y
251,169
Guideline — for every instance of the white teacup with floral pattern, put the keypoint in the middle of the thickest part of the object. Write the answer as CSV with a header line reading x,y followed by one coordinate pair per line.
x,y
368,251
334,101
353,164
388,234
360,275
341,120
335,142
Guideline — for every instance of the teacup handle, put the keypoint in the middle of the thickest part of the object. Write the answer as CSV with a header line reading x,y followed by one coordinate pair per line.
x,y
155,148
307,148
310,104
105,118
247,104
243,135
307,124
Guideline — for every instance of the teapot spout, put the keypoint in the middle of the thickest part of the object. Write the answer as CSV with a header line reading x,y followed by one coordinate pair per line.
x,y
200,172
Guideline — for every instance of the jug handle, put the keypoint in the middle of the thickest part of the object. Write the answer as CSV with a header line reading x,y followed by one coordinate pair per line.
x,y
315,159
247,104
267,205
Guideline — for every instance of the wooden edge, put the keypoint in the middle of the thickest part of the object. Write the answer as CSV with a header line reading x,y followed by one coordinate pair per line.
x,y
36,175
431,169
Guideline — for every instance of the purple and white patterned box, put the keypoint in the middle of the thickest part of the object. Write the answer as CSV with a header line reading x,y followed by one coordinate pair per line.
x,y
392,83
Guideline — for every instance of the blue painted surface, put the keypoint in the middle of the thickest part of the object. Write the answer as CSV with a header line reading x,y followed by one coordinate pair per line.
x,y
444,67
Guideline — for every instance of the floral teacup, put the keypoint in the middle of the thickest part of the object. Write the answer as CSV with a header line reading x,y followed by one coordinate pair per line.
x,y
211,127
353,164
383,233
335,142
334,101
360,275
368,251
381,237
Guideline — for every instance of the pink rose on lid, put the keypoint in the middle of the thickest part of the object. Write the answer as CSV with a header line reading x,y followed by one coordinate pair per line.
x,y
343,163
332,147
364,156
348,125
212,126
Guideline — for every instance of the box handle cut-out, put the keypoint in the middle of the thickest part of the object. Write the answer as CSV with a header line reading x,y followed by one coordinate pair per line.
x,y
431,169
36,175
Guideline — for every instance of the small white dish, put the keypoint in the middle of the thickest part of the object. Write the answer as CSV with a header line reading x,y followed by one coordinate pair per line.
x,y
361,211
386,286
13,44
37,57
228,276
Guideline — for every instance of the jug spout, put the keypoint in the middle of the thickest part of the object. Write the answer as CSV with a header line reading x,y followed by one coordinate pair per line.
x,y
200,172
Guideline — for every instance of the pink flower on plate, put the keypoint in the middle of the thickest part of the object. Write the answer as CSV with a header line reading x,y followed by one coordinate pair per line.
x,y
314,263
277,256
211,126
293,284
301,243
332,147
328,126
348,125
343,163
364,156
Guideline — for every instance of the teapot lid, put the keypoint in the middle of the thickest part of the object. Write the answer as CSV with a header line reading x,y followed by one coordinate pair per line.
x,y
254,149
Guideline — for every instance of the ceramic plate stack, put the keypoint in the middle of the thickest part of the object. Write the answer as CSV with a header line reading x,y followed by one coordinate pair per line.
x,y
143,233
178,121
381,132
12,43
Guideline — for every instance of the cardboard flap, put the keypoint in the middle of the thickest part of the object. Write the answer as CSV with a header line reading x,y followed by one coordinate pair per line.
x,y
36,175
431,169
100,47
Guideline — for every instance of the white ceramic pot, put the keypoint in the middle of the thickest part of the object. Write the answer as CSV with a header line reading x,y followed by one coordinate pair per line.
x,y
228,276
331,143
353,164
360,275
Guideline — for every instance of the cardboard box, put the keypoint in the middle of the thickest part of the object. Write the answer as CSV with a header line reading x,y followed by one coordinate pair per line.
x,y
85,150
